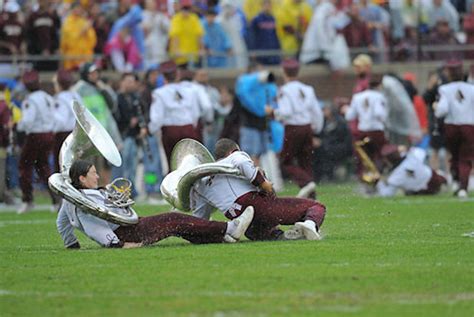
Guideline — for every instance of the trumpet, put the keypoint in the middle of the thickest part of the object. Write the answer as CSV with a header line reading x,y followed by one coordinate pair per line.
x,y
371,174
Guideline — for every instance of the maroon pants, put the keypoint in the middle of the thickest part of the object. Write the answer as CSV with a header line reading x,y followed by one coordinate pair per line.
x,y
296,155
155,228
173,134
373,148
59,138
434,185
34,154
460,143
272,211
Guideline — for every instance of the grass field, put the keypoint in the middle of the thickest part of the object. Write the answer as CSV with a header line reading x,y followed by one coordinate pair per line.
x,y
404,256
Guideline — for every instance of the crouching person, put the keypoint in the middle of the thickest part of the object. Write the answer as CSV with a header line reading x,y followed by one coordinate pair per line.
x,y
148,230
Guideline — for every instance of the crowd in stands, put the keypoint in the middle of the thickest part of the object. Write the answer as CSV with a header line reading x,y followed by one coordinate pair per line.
x,y
132,35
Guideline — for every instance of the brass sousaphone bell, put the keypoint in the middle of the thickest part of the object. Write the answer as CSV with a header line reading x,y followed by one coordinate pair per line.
x,y
89,138
190,161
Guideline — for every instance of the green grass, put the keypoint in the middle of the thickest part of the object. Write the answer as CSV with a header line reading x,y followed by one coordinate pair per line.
x,y
404,256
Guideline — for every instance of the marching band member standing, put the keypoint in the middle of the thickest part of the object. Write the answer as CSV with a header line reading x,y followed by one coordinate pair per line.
x,y
172,110
299,110
63,115
38,123
456,106
369,107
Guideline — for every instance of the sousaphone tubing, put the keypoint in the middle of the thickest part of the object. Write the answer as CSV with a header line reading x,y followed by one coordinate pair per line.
x,y
89,138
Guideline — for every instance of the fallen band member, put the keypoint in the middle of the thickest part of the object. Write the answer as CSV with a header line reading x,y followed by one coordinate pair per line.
x,y
409,173
233,194
148,230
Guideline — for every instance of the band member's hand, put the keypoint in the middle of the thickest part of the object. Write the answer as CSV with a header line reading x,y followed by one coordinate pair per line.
x,y
132,245
267,187
268,110
434,105
316,142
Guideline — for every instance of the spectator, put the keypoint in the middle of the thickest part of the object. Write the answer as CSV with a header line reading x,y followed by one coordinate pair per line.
x,y
441,35
126,42
131,124
468,25
123,51
234,24
357,33
252,8
262,35
292,18
11,30
78,38
41,29
155,26
185,36
442,10
409,81
216,41
378,21
101,27
322,41
333,146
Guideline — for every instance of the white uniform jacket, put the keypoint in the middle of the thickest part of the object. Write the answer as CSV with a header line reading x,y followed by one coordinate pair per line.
x,y
370,108
37,113
221,191
97,229
172,105
298,105
456,103
411,175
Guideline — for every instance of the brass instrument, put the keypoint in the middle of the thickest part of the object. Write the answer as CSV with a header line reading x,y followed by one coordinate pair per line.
x,y
190,161
371,174
88,138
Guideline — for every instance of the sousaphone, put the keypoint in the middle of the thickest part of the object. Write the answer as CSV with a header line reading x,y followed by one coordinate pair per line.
x,y
89,138
190,161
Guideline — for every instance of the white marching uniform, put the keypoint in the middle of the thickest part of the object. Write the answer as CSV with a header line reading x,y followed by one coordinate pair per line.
x,y
97,229
64,116
202,106
172,105
370,108
298,105
412,175
221,191
37,113
456,103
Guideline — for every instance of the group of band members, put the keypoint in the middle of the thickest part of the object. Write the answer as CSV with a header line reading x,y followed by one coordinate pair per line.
x,y
180,106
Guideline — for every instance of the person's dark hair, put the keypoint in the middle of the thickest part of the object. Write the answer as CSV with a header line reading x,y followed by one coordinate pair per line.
x,y
79,168
223,147
132,74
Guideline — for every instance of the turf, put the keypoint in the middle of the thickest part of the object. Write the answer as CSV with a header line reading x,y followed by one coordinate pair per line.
x,y
404,256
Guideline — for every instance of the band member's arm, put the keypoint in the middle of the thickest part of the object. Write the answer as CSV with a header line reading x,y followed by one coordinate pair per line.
x,y
351,113
156,113
318,116
66,230
99,230
442,107
199,206
28,116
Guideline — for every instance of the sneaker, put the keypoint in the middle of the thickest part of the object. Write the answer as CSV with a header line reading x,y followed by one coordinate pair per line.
x,y
240,225
25,207
462,193
309,230
293,234
307,190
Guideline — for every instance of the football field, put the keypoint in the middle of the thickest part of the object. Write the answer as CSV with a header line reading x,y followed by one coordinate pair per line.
x,y
403,256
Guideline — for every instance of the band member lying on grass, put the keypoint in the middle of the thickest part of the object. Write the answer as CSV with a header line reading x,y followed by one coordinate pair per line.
x,y
148,230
